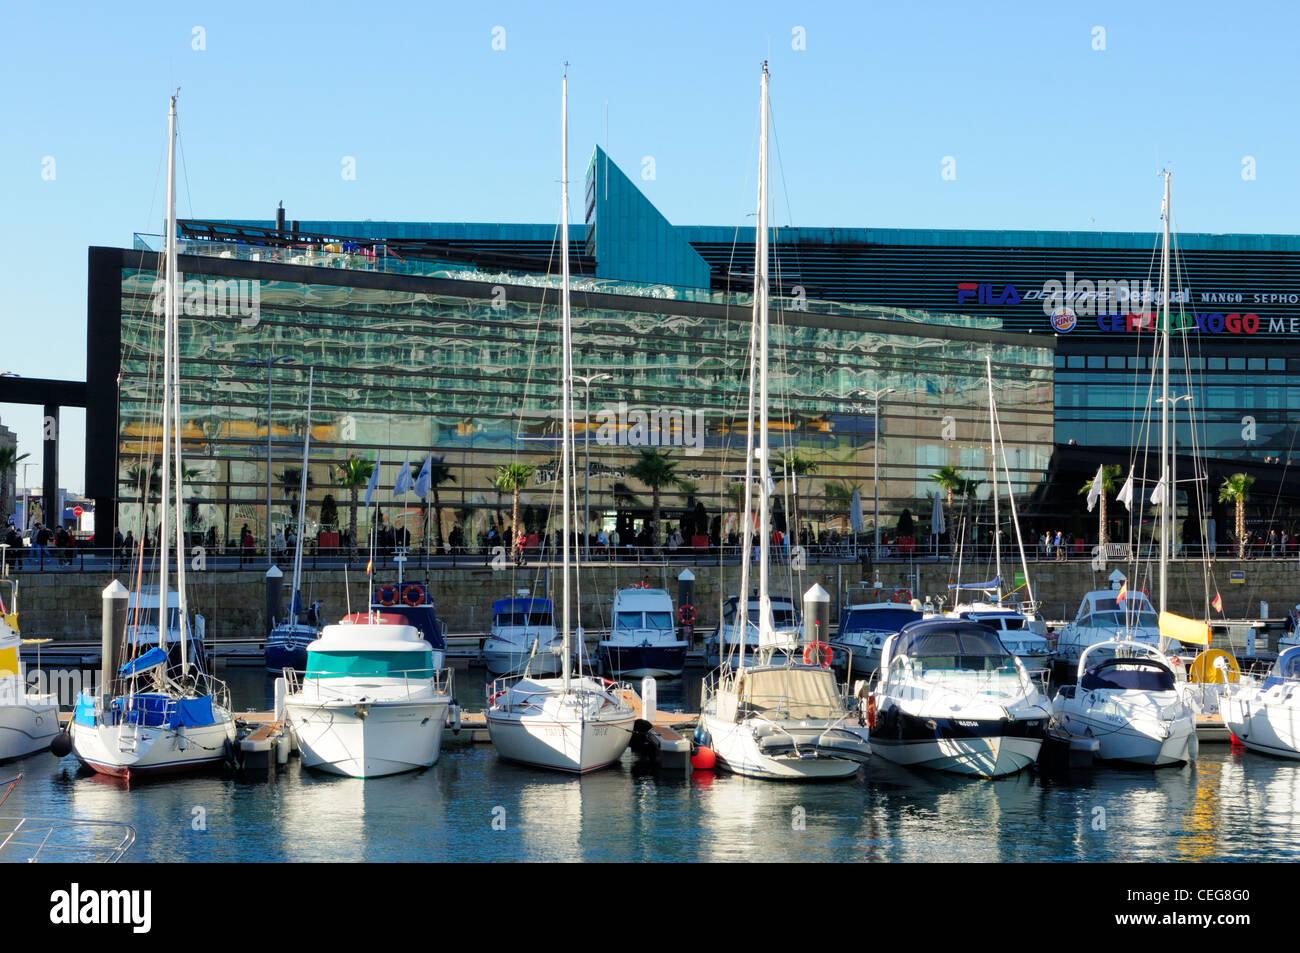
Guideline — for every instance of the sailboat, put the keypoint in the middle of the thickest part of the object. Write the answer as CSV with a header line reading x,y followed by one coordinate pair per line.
x,y
1265,716
1126,696
286,646
782,717
165,717
1021,629
574,723
29,721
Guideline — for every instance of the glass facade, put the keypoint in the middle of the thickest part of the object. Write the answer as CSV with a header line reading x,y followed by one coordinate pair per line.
x,y
467,370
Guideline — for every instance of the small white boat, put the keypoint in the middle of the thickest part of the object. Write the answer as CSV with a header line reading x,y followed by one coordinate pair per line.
x,y
523,638
28,721
370,702
1127,697
643,636
1103,617
576,725
952,698
783,630
864,627
1265,715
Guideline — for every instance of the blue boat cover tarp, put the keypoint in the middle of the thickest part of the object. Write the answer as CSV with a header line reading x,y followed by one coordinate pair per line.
x,y
155,656
84,713
502,606
193,712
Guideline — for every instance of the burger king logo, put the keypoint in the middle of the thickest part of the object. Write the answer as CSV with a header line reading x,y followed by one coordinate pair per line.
x,y
1064,320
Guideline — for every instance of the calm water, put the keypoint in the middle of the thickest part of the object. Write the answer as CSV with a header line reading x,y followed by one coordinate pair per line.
x,y
1229,806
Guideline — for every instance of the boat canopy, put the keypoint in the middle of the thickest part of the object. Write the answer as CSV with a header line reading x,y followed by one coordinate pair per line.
x,y
1128,674
148,660
888,617
796,693
1286,668
949,638
510,606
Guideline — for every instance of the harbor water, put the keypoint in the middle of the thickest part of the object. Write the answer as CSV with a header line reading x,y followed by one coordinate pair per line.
x,y
1230,805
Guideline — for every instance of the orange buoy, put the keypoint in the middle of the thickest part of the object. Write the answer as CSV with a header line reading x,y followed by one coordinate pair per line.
x,y
704,759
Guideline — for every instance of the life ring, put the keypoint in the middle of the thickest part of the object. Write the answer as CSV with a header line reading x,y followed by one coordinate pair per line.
x,y
871,711
388,595
902,595
823,658
686,614
413,596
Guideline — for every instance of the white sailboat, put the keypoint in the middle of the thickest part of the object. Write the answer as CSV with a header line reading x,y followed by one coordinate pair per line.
x,y
29,721
779,718
167,717
574,723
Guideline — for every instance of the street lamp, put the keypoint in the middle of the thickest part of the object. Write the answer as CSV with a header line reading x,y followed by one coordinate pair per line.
x,y
874,396
269,362
586,454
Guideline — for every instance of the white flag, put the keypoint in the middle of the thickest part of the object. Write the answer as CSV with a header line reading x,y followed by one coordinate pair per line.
x,y
1095,493
1126,492
1158,494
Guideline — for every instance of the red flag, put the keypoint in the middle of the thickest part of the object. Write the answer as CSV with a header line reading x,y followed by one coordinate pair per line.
x,y
1217,602
1123,592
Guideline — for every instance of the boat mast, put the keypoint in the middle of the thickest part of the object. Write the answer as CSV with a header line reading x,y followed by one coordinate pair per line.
x,y
566,367
302,502
761,301
993,463
169,314
1169,498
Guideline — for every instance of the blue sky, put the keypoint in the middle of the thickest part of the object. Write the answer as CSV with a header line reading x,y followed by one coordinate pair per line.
x,y
1044,130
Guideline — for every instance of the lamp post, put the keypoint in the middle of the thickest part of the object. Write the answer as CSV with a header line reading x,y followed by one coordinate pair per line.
x,y
874,396
27,499
269,362
587,381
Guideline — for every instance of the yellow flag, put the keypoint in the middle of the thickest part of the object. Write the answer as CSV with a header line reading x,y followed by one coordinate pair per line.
x,y
1184,630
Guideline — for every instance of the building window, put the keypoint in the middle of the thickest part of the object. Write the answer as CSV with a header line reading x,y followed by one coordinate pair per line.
x,y
1115,363
1218,364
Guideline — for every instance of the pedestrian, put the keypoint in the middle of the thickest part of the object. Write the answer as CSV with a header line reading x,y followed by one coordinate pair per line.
x,y
1059,542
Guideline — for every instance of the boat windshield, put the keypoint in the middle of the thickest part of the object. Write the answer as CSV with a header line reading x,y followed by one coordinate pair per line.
x,y
625,621
878,620
1128,675
352,664
1118,619
783,614
530,619
964,647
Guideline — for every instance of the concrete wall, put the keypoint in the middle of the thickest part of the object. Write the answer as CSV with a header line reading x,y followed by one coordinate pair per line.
x,y
67,606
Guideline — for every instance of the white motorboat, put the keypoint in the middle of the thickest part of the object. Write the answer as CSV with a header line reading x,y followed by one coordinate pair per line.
x,y
1265,715
523,638
573,723
1022,632
951,697
643,636
29,721
1128,699
371,702
864,627
782,717
1104,617
169,715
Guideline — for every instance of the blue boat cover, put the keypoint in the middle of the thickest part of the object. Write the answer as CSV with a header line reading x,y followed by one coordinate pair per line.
x,y
1286,668
193,712
521,605
84,713
155,656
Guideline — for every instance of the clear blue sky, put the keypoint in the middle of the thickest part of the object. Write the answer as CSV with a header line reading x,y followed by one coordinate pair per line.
x,y
1046,131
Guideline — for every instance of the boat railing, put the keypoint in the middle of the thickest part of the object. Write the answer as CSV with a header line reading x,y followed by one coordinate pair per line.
x,y
414,681
60,839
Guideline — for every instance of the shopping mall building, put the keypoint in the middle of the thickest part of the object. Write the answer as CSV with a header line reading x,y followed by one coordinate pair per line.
x,y
442,338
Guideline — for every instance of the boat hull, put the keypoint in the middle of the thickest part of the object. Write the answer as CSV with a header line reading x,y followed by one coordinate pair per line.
x,y
575,747
26,729
132,751
641,661
369,739
983,748
739,752
1133,743
1263,726
504,658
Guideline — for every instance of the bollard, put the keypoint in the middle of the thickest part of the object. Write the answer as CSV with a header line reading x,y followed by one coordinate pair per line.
x,y
649,698
816,615
112,630
281,693
274,585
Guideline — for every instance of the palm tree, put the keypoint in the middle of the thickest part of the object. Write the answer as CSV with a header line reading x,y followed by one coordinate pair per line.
x,y
1109,474
291,480
439,473
655,470
1236,490
513,479
353,473
952,481
798,465
9,460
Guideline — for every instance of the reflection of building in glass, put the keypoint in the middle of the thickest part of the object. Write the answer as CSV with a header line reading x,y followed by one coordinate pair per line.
x,y
468,369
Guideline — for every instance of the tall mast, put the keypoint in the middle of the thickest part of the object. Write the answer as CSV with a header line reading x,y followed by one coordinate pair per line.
x,y
761,301
302,502
169,316
1165,521
566,365
993,469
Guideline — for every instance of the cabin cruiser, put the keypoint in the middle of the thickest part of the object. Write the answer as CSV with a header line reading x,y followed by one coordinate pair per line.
x,y
864,626
951,697
1105,616
1023,633
1265,715
643,636
29,721
1127,697
523,636
372,701
411,601
784,624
